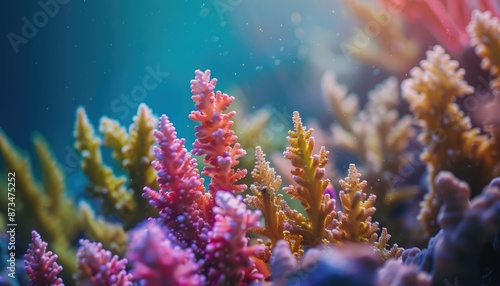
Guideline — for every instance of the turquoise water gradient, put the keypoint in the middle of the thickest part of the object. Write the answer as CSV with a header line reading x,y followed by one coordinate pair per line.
x,y
96,53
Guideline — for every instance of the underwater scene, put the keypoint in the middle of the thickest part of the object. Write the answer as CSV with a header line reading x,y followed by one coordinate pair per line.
x,y
239,142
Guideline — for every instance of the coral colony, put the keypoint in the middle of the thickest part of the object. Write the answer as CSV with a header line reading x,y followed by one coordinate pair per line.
x,y
167,221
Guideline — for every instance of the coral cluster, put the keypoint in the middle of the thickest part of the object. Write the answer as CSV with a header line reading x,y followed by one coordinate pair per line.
x,y
185,231
450,142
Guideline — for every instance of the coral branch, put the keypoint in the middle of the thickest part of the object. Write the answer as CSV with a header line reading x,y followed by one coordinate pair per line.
x,y
450,142
215,138
97,266
180,187
354,223
265,198
157,262
485,37
310,189
227,254
40,265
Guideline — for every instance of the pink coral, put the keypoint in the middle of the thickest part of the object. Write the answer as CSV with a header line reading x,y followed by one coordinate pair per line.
x,y
446,20
180,187
97,266
227,254
40,265
158,262
215,138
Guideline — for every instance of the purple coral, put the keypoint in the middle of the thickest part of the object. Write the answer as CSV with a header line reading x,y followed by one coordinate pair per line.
x,y
227,254
97,266
455,253
180,187
158,262
40,264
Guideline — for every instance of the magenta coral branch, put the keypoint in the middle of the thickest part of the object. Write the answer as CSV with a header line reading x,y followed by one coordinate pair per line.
x,y
215,138
40,265
97,266
180,187
227,254
157,262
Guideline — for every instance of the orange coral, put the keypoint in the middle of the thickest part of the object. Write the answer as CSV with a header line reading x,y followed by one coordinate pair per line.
x,y
265,198
354,223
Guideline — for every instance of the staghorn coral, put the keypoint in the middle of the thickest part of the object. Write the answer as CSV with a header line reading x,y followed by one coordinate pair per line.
x,y
484,31
354,223
157,261
97,266
227,253
377,134
450,143
310,185
214,137
209,228
180,188
42,205
462,250
379,137
40,265
265,198
133,152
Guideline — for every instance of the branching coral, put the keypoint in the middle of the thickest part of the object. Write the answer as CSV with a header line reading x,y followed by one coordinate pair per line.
x,y
310,185
354,223
40,265
379,137
133,151
450,143
209,228
215,138
227,253
157,261
97,266
180,187
265,197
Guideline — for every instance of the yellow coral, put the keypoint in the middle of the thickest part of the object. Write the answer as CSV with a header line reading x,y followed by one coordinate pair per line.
x,y
354,222
264,197
450,142
310,185
485,37
116,198
42,206
133,152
